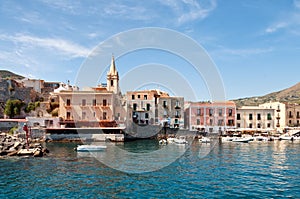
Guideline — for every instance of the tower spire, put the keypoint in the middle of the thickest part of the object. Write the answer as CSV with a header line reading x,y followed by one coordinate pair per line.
x,y
112,70
113,77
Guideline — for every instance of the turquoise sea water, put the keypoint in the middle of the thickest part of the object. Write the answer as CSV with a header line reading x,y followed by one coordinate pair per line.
x,y
230,170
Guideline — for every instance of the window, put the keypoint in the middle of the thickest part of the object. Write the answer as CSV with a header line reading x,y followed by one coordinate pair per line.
x,y
198,121
132,97
111,82
94,102
139,96
230,112
269,125
230,123
148,107
104,102
68,115
83,102
258,126
238,125
104,115
68,102
220,122
290,121
145,97
220,112
211,112
83,115
269,117
198,111
250,116
177,114
146,115
298,115
134,106
250,125
238,116
177,104
258,116
290,114
94,114
211,122
164,103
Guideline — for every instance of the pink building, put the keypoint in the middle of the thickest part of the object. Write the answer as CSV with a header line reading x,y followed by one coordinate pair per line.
x,y
210,116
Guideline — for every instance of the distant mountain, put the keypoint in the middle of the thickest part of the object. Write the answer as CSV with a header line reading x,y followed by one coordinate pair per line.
x,y
291,95
7,74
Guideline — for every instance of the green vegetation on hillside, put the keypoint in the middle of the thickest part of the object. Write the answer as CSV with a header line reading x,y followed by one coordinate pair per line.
x,y
4,74
13,107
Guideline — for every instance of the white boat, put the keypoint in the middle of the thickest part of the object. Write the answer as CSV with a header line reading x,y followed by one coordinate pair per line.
x,y
180,140
261,138
204,140
241,139
163,142
87,148
171,140
227,139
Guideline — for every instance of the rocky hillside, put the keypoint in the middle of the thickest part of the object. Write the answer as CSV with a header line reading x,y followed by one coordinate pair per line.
x,y
291,95
4,74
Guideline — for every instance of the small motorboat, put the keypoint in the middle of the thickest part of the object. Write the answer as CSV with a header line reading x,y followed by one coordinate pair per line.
x,y
243,140
180,140
163,142
204,140
90,148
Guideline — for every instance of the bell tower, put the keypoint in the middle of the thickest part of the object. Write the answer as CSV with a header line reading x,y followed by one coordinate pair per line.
x,y
113,77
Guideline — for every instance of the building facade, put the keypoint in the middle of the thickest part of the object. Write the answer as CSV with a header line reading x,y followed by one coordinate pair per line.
x,y
155,107
279,114
210,116
256,118
93,107
171,111
292,115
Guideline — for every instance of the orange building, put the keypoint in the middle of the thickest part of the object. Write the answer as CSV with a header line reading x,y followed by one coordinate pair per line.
x,y
93,107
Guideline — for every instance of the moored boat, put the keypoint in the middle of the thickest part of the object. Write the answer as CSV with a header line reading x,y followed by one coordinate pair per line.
x,y
87,148
180,140
204,140
243,140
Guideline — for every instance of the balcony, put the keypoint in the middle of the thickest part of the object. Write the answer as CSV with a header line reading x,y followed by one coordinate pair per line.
x,y
177,107
68,106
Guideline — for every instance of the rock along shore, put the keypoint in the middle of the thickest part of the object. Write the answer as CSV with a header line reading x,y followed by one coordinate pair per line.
x,y
16,146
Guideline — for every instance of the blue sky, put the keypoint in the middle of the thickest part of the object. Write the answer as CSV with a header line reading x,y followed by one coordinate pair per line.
x,y
255,45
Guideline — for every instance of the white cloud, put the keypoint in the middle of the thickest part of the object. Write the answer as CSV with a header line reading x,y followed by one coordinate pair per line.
x,y
196,11
290,21
297,4
246,52
276,27
59,45
190,10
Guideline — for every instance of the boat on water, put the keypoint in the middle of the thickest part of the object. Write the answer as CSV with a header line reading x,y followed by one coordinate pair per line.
x,y
180,140
242,139
90,148
204,140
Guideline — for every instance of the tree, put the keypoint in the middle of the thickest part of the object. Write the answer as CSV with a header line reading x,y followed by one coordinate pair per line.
x,y
13,107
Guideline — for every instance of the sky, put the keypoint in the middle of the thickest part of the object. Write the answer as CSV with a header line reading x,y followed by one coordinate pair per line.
x,y
254,45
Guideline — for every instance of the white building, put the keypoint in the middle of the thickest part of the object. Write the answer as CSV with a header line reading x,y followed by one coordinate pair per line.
x,y
256,118
279,112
